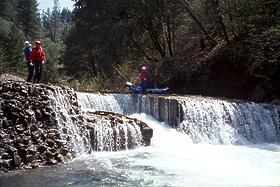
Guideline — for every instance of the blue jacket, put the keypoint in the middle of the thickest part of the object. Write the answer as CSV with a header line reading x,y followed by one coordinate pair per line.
x,y
27,51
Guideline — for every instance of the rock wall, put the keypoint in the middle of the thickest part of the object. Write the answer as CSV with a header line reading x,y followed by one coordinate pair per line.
x,y
29,132
39,125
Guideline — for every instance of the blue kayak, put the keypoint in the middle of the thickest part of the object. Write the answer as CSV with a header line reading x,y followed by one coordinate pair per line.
x,y
150,90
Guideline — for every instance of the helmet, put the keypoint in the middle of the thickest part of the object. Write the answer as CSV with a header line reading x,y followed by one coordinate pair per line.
x,y
37,42
26,43
144,68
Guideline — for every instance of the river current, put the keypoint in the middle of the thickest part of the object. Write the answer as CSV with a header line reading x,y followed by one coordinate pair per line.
x,y
172,159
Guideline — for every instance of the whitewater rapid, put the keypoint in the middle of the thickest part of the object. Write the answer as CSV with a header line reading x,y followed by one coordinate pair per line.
x,y
174,158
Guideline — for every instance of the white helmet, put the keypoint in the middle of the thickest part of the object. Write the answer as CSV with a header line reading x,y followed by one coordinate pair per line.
x,y
26,43
144,68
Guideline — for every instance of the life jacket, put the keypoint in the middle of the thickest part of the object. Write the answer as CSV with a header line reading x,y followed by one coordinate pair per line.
x,y
143,75
37,55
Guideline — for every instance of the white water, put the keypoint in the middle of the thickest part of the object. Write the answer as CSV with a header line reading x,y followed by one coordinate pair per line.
x,y
173,159
115,138
222,122
62,105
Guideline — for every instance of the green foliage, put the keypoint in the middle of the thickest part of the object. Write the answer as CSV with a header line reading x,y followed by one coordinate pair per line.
x,y
28,19
104,43
265,53
54,52
56,22
19,22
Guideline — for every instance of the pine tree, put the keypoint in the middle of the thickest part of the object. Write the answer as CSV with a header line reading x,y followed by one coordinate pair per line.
x,y
55,21
29,19
46,22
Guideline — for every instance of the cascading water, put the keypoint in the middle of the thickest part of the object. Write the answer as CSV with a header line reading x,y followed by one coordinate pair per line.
x,y
68,129
207,120
236,145
105,136
223,122
119,103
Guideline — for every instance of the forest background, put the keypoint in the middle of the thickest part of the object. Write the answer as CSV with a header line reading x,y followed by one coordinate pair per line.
x,y
225,48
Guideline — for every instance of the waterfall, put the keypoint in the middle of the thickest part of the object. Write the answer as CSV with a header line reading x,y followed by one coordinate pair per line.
x,y
223,122
108,137
66,115
118,103
105,135
207,120
197,141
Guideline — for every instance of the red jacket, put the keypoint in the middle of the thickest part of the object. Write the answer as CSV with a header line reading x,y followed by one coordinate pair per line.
x,y
37,55
143,75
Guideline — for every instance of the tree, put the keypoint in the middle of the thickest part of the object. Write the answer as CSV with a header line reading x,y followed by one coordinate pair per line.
x,y
29,19
56,24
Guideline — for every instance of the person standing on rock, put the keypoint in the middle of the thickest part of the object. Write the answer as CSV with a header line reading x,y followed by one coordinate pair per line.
x,y
144,79
37,58
27,51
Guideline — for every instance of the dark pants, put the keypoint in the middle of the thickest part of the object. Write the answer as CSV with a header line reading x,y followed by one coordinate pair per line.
x,y
38,66
30,72
144,85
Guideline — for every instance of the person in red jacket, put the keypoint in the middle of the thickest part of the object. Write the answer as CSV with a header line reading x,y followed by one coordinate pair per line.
x,y
37,59
144,79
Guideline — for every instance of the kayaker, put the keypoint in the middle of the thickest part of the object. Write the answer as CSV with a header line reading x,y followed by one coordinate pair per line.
x,y
144,79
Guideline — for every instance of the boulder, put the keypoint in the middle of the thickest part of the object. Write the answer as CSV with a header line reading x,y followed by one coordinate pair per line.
x,y
121,131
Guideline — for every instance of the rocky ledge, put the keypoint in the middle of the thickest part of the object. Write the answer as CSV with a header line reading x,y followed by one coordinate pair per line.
x,y
35,122
122,138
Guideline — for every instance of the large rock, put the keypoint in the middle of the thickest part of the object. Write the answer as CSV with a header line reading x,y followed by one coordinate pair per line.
x,y
28,126
119,132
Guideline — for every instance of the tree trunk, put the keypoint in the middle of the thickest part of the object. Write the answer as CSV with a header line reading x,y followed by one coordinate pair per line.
x,y
221,22
210,40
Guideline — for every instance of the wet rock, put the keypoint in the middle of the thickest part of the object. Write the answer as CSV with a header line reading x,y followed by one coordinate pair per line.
x,y
22,152
42,148
49,155
50,143
59,157
64,151
35,165
5,163
147,133
32,150
19,129
27,167
52,162
10,149
60,143
34,137
29,158
16,160
121,138
6,156
259,94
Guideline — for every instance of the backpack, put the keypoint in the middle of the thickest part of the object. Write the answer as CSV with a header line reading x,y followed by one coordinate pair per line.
x,y
27,51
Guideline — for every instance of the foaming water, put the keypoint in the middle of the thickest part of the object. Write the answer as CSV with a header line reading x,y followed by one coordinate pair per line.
x,y
119,103
222,122
171,160
62,106
115,138
207,120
